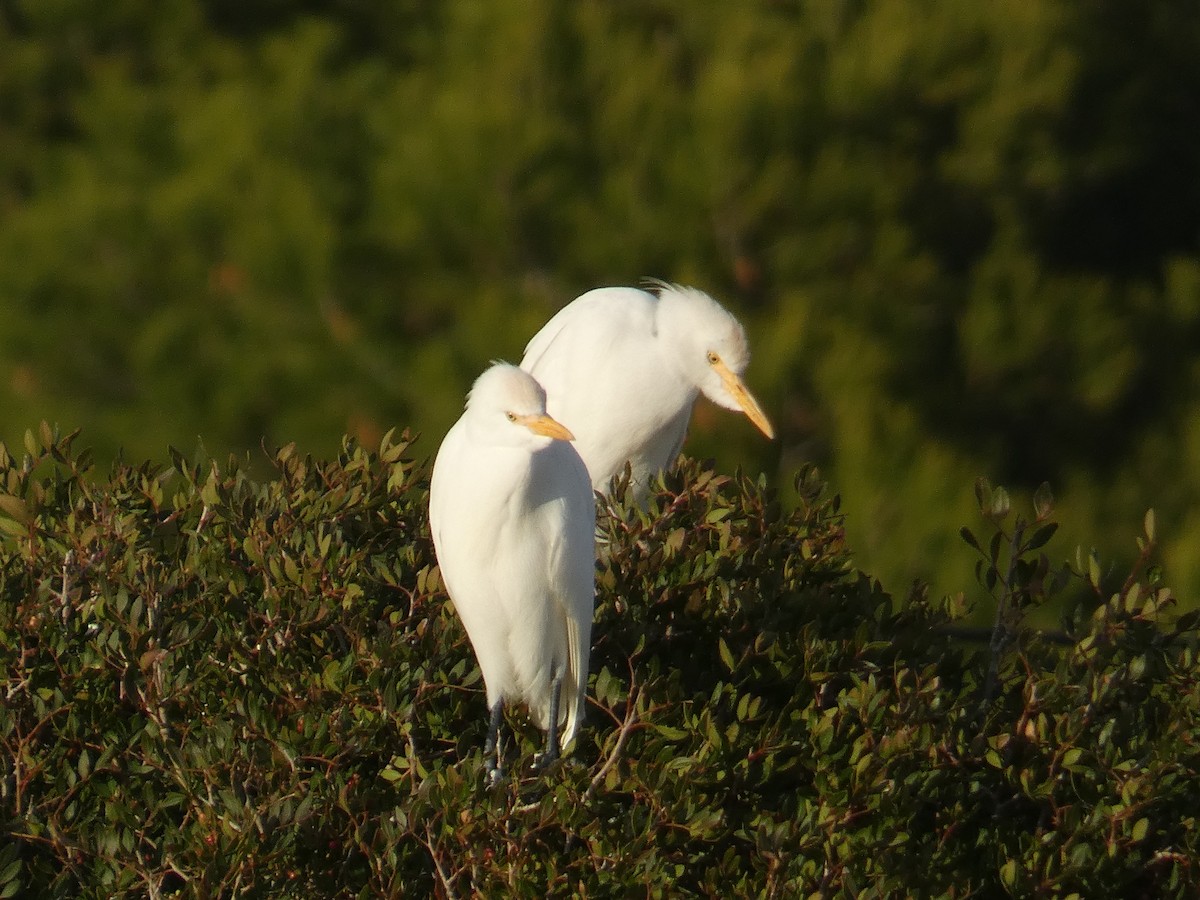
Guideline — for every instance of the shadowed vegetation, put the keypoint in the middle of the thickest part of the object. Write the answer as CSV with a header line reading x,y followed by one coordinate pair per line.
x,y
223,686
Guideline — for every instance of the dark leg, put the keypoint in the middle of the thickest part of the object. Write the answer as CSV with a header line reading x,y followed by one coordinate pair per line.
x,y
491,746
551,753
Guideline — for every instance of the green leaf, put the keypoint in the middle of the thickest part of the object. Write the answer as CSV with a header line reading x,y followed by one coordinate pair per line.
x,y
968,536
1008,874
16,529
983,494
1042,536
1093,573
9,878
1133,598
726,654
331,675
674,542
1137,667
1043,501
717,515
15,509
1000,504
670,732
1140,828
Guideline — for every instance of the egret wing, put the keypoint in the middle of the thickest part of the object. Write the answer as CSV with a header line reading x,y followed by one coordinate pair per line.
x,y
574,575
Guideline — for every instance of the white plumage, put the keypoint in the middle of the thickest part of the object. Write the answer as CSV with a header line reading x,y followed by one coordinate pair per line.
x,y
513,516
623,367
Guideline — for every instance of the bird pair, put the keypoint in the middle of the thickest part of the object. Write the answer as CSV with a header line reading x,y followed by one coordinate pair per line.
x,y
608,381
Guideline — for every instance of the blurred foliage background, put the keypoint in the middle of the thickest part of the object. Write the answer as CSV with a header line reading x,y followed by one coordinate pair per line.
x,y
963,238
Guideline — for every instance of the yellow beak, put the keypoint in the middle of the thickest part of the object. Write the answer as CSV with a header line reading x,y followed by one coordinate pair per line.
x,y
546,426
744,398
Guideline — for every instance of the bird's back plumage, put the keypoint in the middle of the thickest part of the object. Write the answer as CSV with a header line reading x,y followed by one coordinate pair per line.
x,y
610,378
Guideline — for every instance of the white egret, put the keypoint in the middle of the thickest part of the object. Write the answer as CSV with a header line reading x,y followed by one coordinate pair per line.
x,y
622,368
513,516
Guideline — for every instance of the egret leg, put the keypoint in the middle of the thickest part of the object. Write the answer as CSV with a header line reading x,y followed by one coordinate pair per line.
x,y
551,752
491,747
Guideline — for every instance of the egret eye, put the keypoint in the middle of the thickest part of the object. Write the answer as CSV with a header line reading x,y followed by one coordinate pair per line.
x,y
511,416
713,357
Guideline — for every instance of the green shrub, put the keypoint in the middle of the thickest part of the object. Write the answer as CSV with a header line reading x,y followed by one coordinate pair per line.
x,y
221,687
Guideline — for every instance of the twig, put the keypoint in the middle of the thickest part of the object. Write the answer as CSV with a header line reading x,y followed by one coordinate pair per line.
x,y
65,596
626,730
204,514
437,866
1000,630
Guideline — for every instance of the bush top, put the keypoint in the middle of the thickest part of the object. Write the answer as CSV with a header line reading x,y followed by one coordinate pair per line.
x,y
219,686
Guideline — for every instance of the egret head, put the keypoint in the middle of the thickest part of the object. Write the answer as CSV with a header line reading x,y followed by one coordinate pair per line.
x,y
713,347
506,406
